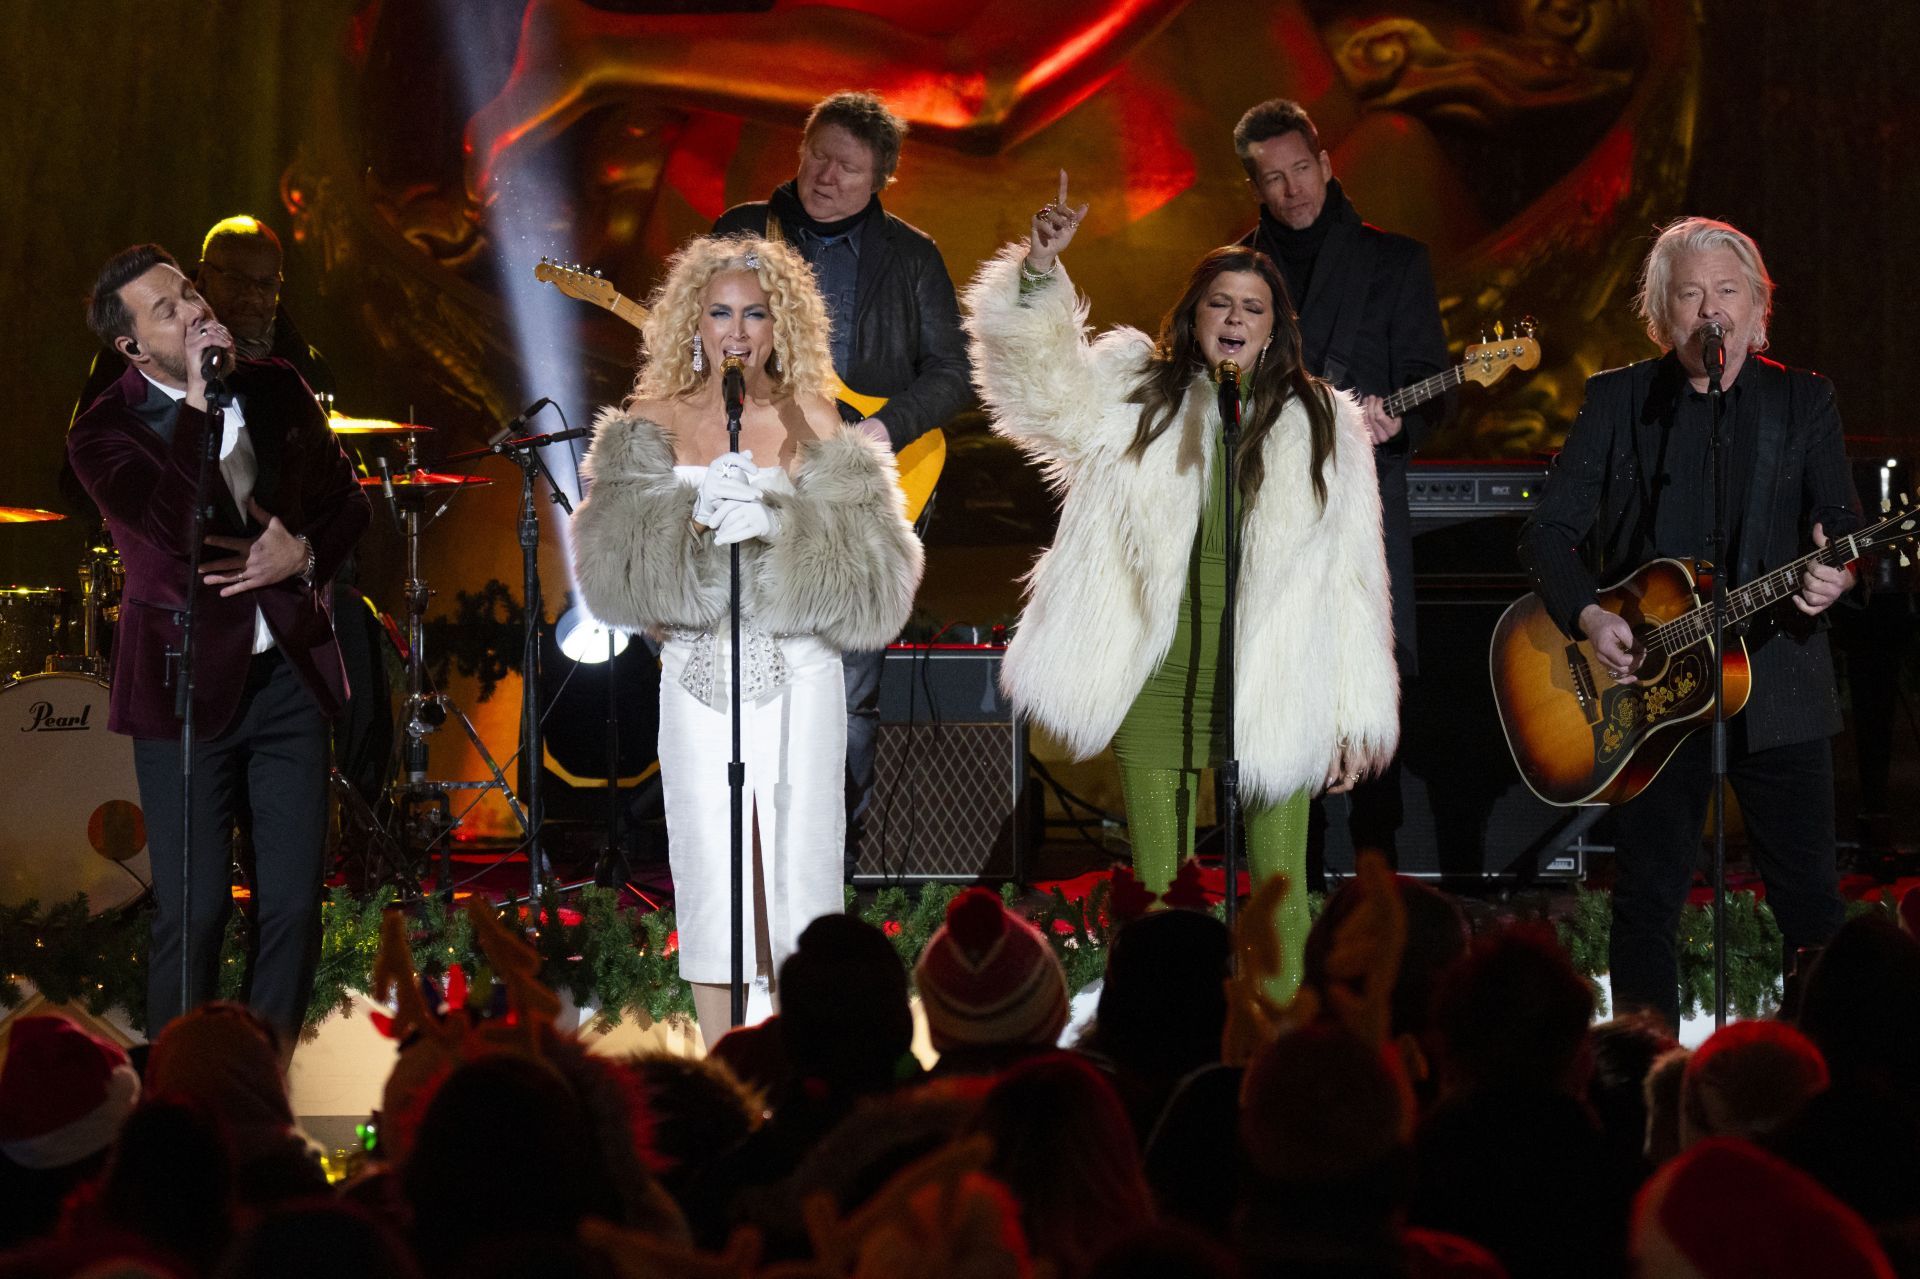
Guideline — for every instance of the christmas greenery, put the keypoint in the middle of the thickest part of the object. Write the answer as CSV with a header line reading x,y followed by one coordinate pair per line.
x,y
623,963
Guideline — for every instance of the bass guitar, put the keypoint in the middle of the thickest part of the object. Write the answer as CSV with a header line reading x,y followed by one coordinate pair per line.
x,y
1578,737
1485,362
919,463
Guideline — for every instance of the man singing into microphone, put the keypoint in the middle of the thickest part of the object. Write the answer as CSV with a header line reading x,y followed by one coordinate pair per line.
x,y
266,671
1634,484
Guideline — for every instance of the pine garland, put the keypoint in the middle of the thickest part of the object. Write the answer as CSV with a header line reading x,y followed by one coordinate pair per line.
x,y
624,963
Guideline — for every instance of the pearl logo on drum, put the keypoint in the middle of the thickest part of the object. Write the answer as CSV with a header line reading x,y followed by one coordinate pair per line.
x,y
46,721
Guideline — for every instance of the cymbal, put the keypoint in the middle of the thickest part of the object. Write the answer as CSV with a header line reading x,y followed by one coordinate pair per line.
x,y
27,515
426,481
374,426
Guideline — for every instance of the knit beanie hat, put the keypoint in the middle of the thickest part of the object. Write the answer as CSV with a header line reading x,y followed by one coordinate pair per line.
x,y
987,979
63,1093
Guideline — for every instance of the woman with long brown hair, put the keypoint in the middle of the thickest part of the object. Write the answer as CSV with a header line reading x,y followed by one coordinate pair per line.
x,y
1119,642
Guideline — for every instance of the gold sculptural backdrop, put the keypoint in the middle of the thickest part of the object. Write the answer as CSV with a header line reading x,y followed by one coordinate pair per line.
x,y
1532,146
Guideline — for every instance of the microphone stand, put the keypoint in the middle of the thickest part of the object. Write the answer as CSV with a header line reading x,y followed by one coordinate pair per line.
x,y
525,453
734,378
218,397
1716,550
1228,375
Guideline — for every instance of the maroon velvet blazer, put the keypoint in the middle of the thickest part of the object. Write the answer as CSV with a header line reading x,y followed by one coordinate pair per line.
x,y
138,454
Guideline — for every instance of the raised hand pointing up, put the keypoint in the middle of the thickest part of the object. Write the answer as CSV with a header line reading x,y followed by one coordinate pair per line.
x,y
1053,228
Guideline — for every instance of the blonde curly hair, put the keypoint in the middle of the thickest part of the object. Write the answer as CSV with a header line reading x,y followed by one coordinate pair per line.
x,y
801,363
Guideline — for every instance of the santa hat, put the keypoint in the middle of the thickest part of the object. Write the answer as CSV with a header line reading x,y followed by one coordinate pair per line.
x,y
63,1093
1733,1211
987,979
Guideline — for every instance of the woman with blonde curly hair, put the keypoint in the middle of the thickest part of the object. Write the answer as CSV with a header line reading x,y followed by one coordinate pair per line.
x,y
828,563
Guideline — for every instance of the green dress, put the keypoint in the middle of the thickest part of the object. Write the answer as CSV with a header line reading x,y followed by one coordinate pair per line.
x,y
1177,726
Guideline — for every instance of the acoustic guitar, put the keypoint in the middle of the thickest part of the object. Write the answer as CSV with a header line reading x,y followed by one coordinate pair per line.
x,y
1486,363
919,463
1578,737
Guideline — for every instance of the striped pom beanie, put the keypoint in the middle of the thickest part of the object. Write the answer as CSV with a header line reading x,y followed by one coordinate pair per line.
x,y
987,979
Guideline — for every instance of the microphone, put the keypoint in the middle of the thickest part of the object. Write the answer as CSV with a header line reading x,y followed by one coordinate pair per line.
x,y
518,424
386,489
733,385
1227,374
215,363
1713,350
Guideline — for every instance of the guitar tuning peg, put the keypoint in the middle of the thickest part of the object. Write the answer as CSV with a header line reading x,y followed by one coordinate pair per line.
x,y
1886,507
1499,329
596,273
1527,326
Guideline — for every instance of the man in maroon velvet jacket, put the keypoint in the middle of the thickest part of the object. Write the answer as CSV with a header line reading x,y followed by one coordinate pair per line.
x,y
267,672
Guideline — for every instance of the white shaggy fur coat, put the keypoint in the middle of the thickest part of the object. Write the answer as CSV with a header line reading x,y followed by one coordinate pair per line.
x,y
1315,630
845,567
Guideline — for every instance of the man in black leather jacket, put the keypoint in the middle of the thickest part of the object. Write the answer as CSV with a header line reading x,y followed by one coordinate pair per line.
x,y
896,325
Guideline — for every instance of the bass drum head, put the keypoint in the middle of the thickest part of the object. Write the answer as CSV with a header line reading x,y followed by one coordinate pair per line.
x,y
74,824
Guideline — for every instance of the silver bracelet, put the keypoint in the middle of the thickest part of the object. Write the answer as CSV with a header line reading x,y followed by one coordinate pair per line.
x,y
1028,273
312,560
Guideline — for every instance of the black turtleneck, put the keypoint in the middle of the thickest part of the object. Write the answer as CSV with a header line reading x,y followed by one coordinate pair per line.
x,y
1295,252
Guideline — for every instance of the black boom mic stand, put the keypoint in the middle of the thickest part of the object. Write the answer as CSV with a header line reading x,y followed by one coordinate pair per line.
x,y
1227,375
214,364
524,452
1713,354
733,385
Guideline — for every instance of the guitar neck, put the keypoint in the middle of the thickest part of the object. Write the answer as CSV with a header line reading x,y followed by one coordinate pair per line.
x,y
1426,389
627,309
1743,602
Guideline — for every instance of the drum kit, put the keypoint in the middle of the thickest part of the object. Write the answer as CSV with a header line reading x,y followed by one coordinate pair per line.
x,y
82,830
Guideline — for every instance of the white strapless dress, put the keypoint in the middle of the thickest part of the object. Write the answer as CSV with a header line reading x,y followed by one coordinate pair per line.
x,y
794,741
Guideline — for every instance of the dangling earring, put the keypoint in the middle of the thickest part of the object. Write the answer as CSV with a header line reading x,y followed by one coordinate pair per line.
x,y
699,356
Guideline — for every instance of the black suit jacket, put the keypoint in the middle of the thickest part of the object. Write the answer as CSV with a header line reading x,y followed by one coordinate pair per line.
x,y
138,455
1387,280
907,341
1593,524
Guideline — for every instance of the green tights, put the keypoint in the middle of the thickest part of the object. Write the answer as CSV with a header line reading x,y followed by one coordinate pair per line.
x,y
1160,823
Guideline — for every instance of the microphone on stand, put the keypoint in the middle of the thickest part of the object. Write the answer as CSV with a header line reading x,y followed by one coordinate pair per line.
x,y
733,386
1713,351
215,363
1227,375
386,490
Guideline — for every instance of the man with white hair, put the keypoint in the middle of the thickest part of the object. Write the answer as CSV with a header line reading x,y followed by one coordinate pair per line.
x,y
1633,484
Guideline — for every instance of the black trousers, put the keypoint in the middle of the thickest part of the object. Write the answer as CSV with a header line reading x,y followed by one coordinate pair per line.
x,y
862,673
275,753
1786,799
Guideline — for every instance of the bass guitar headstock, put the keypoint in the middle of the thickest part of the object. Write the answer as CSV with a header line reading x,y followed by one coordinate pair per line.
x,y
1491,358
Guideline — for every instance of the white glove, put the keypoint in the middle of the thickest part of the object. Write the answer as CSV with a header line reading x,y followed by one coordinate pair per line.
x,y
739,521
729,478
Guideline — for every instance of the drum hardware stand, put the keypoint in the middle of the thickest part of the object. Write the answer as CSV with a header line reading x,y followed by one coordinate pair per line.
x,y
385,859
426,709
524,452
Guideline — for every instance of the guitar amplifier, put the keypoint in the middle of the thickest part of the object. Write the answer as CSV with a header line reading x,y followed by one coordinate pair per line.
x,y
950,776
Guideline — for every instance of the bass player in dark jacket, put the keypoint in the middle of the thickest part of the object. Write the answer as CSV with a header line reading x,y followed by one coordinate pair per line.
x,y
1369,323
